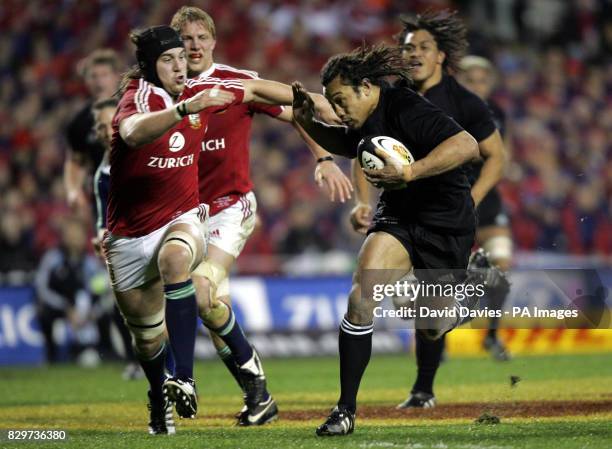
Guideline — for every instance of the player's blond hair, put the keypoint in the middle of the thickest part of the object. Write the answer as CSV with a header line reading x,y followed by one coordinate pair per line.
x,y
193,14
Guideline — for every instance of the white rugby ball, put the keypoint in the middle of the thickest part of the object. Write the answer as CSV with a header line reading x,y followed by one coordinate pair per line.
x,y
366,152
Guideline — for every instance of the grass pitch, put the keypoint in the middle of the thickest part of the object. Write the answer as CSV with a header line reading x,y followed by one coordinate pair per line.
x,y
560,401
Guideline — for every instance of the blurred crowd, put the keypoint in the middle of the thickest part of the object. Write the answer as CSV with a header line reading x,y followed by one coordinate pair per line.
x,y
555,85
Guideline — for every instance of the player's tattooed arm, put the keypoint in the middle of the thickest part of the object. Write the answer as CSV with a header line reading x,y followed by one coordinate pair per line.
x,y
140,129
332,138
493,152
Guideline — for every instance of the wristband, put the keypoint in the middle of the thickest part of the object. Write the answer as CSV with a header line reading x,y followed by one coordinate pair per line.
x,y
177,114
325,158
181,109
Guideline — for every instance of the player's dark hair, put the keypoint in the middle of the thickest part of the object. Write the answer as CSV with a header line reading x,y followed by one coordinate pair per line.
x,y
133,72
105,103
373,63
448,30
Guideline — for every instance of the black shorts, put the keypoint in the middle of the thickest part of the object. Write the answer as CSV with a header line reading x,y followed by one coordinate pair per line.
x,y
490,211
430,250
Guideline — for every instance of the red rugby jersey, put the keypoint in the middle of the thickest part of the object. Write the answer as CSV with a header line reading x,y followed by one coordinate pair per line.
x,y
224,161
157,182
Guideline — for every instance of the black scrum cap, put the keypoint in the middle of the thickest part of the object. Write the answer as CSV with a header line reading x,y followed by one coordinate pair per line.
x,y
150,44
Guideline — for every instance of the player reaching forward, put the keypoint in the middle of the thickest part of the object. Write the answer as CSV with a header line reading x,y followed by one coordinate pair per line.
x,y
429,224
155,238
225,185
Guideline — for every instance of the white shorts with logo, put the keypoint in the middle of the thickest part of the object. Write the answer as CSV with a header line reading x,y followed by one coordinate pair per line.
x,y
230,228
132,261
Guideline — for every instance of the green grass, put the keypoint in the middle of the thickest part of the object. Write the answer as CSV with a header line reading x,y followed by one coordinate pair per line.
x,y
99,410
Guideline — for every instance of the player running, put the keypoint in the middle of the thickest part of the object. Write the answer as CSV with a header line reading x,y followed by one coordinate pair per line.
x,y
155,238
433,44
429,224
493,232
225,185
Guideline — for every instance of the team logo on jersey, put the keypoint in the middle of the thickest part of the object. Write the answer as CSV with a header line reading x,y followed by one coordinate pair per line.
x,y
194,121
176,142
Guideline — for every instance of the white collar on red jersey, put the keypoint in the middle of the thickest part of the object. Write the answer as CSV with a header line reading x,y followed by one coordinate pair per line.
x,y
208,72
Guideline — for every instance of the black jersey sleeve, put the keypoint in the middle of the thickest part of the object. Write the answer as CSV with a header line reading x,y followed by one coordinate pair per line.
x,y
423,123
478,118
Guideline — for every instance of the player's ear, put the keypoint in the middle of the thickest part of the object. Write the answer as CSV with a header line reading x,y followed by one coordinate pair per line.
x,y
366,86
441,57
214,44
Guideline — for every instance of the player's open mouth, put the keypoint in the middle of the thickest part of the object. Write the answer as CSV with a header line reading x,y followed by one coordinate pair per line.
x,y
195,56
180,79
415,64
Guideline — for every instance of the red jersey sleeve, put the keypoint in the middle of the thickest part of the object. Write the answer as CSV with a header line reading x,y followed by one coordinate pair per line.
x,y
138,99
270,109
233,85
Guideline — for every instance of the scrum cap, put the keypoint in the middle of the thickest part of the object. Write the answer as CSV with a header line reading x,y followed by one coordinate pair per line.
x,y
150,44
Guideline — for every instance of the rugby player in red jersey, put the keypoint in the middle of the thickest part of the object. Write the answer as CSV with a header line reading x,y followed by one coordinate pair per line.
x,y
155,238
226,186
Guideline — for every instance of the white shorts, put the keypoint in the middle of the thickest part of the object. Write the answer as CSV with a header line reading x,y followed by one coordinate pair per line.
x,y
132,261
230,228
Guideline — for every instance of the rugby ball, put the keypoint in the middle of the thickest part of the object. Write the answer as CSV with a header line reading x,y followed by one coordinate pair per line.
x,y
366,152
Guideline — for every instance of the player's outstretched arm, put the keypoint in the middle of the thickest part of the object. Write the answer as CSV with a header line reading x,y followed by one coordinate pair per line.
x,y
140,129
327,174
273,92
449,154
493,152
332,138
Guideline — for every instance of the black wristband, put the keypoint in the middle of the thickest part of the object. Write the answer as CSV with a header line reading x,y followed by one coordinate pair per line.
x,y
325,158
182,109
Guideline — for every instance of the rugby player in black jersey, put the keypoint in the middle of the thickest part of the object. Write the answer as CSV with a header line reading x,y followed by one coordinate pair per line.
x,y
429,224
493,231
433,44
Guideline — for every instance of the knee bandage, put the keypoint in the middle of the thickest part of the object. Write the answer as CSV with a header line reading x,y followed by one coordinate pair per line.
x,y
184,239
146,327
217,275
498,247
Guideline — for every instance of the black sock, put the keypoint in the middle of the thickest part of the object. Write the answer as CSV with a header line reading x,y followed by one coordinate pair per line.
x,y
154,371
496,299
232,335
355,344
182,324
428,356
226,356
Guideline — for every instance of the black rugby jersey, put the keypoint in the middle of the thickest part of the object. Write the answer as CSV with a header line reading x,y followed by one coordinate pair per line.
x,y
440,202
82,139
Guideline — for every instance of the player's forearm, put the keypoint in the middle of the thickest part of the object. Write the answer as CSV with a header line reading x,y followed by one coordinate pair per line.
x,y
491,173
316,150
140,129
74,176
492,149
267,92
330,138
360,183
450,154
